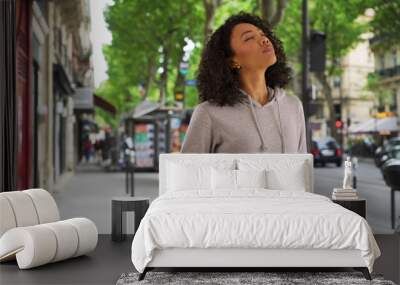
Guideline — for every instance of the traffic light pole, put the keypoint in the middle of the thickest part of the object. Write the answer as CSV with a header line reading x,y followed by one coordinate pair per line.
x,y
305,64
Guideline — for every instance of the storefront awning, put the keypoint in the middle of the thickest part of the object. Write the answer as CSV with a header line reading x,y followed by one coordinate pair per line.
x,y
104,104
375,125
83,99
144,108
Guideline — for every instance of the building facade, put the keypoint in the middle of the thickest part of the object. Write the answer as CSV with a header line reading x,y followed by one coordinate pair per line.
x,y
54,60
387,70
353,102
368,87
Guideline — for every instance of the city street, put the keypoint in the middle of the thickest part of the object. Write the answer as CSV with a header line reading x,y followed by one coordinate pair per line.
x,y
91,189
370,186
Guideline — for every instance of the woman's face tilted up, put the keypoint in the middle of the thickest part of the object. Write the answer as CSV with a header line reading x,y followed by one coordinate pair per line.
x,y
253,51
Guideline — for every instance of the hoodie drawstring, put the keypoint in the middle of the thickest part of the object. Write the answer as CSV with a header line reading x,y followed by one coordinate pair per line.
x,y
263,145
280,127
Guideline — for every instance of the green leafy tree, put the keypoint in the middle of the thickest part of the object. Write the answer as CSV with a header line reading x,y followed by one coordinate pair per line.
x,y
149,36
339,21
382,94
147,46
385,24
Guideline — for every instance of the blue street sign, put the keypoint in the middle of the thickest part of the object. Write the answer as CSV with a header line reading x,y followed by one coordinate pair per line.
x,y
191,82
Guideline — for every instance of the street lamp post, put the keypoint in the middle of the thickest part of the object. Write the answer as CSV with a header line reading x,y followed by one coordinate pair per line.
x,y
305,70
130,163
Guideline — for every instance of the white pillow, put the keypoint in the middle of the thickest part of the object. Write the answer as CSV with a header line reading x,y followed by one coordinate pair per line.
x,y
223,179
193,174
282,174
292,181
251,178
182,177
229,179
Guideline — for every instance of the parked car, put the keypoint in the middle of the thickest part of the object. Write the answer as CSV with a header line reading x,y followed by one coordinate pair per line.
x,y
385,149
360,147
326,150
392,153
392,164
394,141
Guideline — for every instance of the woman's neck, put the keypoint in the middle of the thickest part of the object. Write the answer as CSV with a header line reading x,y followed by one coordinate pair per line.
x,y
254,84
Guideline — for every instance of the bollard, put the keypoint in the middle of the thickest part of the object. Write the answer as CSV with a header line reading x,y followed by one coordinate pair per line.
x,y
129,172
354,166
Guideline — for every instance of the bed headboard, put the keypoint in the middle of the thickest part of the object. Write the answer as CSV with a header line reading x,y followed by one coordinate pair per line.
x,y
212,158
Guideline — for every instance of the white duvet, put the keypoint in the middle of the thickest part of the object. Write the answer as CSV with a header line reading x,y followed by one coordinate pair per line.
x,y
251,218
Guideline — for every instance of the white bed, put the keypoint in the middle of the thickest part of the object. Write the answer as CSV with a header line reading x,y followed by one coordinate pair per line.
x,y
280,225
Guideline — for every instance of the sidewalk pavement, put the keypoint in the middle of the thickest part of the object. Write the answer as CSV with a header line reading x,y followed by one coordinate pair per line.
x,y
89,192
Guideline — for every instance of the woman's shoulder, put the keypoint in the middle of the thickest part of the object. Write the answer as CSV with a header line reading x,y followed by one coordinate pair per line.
x,y
207,106
289,97
214,112
201,110
202,107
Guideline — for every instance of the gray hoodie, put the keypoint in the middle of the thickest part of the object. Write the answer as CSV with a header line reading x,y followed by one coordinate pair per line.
x,y
276,127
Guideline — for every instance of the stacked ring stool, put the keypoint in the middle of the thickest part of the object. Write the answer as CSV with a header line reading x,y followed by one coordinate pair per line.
x,y
31,231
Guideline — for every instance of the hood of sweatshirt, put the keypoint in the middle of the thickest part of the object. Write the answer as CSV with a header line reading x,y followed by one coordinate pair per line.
x,y
275,96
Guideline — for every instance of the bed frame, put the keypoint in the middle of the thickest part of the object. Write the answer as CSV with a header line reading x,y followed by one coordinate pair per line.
x,y
240,259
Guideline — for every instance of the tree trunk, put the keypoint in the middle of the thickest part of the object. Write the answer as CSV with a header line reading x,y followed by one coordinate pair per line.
x,y
273,11
209,6
164,75
150,77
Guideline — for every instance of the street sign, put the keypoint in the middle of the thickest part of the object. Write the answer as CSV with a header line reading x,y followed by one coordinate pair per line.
x,y
191,82
184,65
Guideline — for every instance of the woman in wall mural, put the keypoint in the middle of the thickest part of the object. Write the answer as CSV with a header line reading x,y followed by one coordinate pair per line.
x,y
243,105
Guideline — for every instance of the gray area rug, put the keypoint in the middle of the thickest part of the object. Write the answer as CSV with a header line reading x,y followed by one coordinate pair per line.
x,y
225,278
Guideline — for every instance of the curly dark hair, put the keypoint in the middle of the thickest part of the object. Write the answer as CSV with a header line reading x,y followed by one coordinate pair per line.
x,y
217,82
